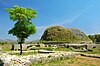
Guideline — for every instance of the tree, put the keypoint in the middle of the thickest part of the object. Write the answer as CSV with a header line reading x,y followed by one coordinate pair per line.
x,y
92,37
23,27
95,38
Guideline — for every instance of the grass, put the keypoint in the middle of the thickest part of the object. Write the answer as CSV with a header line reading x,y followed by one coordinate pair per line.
x,y
55,62
94,51
72,61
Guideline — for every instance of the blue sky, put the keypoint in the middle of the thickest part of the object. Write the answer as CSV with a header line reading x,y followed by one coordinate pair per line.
x,y
82,14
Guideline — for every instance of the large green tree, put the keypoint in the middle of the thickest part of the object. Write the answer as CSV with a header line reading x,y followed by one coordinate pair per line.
x,y
23,27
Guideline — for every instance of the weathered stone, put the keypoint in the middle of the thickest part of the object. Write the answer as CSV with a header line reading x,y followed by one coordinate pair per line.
x,y
13,60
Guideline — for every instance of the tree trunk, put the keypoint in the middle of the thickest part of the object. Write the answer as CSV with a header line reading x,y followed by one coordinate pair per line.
x,y
21,40
20,49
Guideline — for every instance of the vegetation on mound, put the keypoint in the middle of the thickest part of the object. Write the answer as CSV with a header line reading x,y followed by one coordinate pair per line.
x,y
60,33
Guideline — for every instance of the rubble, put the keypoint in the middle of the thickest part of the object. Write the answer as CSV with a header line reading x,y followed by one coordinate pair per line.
x,y
14,60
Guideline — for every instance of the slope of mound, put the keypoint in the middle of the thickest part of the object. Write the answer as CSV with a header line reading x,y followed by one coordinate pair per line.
x,y
80,34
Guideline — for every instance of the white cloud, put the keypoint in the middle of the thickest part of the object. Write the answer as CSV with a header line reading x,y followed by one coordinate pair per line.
x,y
41,27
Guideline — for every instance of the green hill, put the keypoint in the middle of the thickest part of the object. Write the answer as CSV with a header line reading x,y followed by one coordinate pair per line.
x,y
60,33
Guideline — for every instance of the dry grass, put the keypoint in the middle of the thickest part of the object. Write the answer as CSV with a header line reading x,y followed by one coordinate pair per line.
x,y
73,61
83,61
6,47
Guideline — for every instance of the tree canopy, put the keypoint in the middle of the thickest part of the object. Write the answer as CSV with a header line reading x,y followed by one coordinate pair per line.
x,y
23,29
21,14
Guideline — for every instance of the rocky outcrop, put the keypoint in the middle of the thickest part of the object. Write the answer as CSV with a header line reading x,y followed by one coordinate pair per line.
x,y
80,34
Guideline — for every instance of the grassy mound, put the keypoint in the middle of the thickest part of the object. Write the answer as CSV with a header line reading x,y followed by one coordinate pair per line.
x,y
60,33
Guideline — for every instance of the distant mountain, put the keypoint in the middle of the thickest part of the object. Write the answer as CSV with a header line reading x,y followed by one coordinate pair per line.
x,y
10,41
1,40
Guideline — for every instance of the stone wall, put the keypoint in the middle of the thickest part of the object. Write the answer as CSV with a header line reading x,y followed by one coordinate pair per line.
x,y
13,60
26,46
87,46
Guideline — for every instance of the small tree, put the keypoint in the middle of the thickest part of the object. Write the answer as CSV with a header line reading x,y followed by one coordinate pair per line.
x,y
23,27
